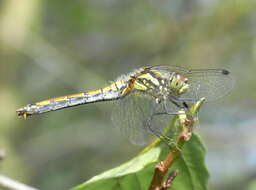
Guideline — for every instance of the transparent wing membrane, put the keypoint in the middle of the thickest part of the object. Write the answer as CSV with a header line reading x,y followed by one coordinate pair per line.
x,y
134,116
210,84
130,117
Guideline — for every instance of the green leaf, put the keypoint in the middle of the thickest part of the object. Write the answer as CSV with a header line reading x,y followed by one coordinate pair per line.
x,y
137,173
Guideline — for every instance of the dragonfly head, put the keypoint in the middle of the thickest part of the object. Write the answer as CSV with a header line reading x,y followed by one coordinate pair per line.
x,y
179,84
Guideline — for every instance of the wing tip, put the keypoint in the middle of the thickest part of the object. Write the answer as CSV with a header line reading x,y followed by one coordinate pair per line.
x,y
225,72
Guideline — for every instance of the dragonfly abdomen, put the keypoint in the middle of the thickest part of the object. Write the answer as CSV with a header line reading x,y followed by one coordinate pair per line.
x,y
104,94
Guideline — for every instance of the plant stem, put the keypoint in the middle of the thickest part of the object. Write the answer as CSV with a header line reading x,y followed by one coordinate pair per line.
x,y
185,122
10,184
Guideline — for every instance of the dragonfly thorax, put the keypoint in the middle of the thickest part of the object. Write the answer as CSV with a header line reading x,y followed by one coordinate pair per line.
x,y
159,85
178,84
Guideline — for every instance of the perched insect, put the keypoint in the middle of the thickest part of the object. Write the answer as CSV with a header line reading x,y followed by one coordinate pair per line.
x,y
144,95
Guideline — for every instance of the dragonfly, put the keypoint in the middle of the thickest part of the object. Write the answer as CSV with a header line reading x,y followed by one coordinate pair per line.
x,y
145,98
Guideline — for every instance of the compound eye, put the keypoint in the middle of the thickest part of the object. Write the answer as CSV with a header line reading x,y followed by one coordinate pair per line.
x,y
186,80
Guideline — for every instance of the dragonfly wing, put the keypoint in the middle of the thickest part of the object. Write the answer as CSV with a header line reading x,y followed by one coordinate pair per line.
x,y
210,84
169,68
129,120
135,114
133,117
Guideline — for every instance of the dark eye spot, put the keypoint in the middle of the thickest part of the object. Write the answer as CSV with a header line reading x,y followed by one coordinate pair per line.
x,y
177,84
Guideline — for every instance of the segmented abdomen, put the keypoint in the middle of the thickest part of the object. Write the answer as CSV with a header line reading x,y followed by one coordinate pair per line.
x,y
108,93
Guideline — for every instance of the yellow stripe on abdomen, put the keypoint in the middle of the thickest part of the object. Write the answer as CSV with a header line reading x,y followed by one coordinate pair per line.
x,y
103,94
82,94
58,99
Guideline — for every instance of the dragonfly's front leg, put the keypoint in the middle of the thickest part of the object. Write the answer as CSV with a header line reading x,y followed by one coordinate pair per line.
x,y
157,133
165,107
180,99
150,119
180,102
166,139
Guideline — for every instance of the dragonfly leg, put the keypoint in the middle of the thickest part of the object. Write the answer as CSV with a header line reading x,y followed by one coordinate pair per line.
x,y
186,99
167,113
150,128
167,140
180,103
175,103
185,105
180,99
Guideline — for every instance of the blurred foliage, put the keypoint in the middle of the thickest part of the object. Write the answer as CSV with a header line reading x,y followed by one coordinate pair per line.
x,y
138,172
52,47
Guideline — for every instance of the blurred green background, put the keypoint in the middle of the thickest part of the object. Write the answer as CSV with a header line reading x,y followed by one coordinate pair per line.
x,y
53,47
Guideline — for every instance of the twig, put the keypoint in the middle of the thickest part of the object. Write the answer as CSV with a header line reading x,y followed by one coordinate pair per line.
x,y
163,166
10,184
168,182
185,122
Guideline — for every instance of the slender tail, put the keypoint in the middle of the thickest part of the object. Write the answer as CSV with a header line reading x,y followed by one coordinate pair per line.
x,y
104,94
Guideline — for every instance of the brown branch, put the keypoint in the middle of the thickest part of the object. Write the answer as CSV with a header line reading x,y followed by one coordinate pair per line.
x,y
162,167
169,180
10,184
